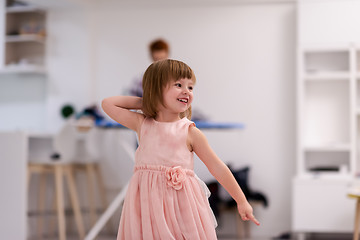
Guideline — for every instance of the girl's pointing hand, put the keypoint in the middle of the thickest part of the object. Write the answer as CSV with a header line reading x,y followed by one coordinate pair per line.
x,y
246,212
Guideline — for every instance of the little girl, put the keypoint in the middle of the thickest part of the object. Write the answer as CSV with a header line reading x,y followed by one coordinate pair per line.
x,y
165,200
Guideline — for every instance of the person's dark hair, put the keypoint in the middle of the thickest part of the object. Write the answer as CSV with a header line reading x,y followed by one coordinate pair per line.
x,y
158,45
156,79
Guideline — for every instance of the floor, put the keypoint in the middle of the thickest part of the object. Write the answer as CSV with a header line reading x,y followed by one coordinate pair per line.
x,y
310,237
226,230
221,236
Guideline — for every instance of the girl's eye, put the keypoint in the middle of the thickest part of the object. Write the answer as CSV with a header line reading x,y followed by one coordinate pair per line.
x,y
178,84
190,88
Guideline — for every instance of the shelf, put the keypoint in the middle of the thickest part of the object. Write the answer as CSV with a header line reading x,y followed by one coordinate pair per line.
x,y
325,47
324,176
23,69
40,134
327,64
328,148
25,38
25,48
327,76
23,9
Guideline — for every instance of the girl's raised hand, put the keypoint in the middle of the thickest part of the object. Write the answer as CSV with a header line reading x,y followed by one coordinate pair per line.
x,y
246,212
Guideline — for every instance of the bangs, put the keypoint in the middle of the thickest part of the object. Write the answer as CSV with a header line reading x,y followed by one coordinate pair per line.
x,y
180,70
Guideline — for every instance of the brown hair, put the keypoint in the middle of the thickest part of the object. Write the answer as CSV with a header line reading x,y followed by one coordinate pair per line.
x,y
156,78
158,45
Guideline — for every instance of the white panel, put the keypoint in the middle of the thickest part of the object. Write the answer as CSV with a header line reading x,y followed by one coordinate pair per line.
x,y
322,206
13,201
329,21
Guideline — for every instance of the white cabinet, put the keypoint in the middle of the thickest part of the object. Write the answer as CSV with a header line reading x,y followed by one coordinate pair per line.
x,y
322,206
24,40
328,115
328,123
13,203
327,137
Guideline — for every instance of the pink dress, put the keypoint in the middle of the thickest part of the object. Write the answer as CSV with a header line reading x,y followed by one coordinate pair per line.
x,y
165,199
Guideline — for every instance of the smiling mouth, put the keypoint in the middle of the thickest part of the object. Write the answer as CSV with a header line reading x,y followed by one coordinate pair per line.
x,y
184,100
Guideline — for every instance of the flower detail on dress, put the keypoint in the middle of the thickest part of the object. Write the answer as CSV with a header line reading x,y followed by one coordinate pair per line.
x,y
175,177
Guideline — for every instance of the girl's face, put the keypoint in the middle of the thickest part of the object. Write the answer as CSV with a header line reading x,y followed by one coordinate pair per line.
x,y
178,95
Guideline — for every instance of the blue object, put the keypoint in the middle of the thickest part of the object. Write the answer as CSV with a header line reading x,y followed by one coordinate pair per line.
x,y
103,123
209,125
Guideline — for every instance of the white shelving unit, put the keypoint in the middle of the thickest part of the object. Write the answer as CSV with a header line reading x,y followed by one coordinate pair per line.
x,y
328,116
325,106
25,39
328,90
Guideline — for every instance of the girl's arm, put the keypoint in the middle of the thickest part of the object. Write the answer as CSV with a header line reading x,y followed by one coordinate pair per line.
x,y
118,108
221,172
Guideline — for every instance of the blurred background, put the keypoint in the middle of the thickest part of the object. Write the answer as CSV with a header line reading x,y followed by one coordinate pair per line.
x,y
286,70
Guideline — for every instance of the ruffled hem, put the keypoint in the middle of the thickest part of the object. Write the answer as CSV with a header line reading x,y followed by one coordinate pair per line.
x,y
160,204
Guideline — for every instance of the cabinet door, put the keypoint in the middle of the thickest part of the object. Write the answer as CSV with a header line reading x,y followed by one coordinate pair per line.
x,y
322,205
13,201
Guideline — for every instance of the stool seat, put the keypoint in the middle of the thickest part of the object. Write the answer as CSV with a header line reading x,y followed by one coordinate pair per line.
x,y
354,195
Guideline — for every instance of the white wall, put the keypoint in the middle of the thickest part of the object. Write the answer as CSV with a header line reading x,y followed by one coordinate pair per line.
x,y
68,57
243,57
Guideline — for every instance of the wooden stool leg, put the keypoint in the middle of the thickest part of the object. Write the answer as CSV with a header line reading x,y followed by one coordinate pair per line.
x,y
29,172
247,230
357,220
60,201
102,191
75,202
41,204
53,219
240,226
90,175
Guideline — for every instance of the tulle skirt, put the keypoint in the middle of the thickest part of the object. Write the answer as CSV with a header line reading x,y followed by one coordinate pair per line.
x,y
166,203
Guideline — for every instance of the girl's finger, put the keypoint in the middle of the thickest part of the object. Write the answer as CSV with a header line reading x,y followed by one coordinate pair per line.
x,y
252,218
244,218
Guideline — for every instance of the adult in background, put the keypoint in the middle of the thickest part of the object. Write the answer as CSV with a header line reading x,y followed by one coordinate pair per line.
x,y
159,50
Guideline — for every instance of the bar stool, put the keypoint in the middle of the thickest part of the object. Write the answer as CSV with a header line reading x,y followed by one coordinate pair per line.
x,y
61,167
356,195
87,160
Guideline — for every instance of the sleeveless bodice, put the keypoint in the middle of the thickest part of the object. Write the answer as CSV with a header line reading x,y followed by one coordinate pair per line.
x,y
164,144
